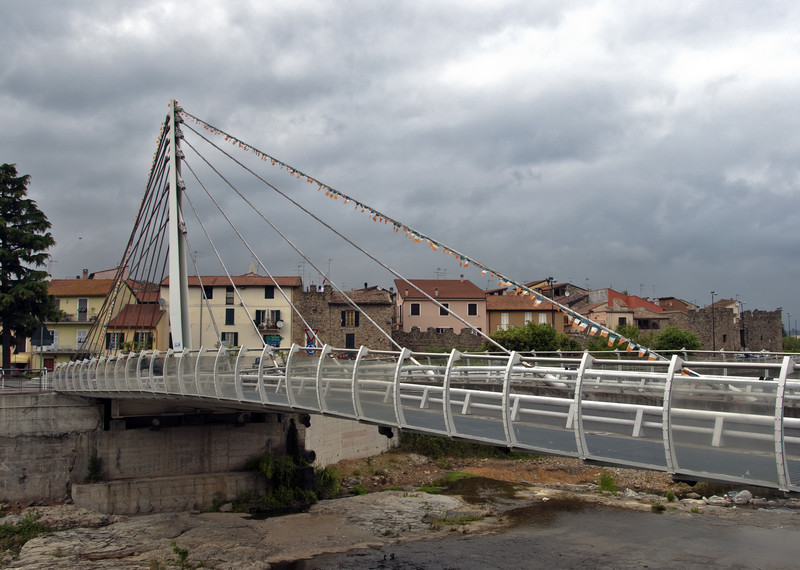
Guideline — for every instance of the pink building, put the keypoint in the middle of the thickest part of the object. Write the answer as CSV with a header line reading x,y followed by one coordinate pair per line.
x,y
416,309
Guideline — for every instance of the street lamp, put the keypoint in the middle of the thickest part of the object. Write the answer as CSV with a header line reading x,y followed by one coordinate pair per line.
x,y
741,322
788,324
713,324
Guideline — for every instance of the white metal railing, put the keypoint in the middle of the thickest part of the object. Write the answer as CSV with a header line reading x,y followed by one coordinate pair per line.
x,y
665,415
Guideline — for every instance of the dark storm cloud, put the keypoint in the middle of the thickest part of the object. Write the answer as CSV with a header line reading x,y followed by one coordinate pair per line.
x,y
641,146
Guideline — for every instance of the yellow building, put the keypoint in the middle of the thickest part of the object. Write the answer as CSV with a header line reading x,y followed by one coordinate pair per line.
x,y
244,310
80,301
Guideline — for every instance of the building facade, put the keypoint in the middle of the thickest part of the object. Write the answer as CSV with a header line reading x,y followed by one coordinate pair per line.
x,y
243,310
331,317
416,309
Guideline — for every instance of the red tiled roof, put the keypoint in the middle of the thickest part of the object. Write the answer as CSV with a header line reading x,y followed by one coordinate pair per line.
x,y
80,287
447,289
247,280
516,303
633,301
137,316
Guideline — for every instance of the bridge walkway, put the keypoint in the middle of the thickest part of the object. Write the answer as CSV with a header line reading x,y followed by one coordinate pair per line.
x,y
665,415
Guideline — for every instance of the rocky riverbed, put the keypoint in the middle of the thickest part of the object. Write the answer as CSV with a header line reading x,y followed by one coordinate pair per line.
x,y
489,504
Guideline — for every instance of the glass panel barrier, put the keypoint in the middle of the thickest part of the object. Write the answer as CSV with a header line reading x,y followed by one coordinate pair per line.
x,y
724,428
375,387
206,362
153,365
91,375
475,401
247,374
336,382
622,417
225,377
422,378
301,377
186,372
791,433
172,362
273,376
540,400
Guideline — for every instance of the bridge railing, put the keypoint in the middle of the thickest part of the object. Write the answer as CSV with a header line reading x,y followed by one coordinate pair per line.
x,y
678,416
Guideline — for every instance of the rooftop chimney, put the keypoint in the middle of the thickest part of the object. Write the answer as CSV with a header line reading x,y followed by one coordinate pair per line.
x,y
85,274
462,277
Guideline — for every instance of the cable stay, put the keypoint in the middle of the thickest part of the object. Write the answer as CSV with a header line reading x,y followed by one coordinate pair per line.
x,y
574,318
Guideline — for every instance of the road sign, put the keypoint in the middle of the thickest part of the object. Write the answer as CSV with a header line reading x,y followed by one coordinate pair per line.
x,y
311,340
42,337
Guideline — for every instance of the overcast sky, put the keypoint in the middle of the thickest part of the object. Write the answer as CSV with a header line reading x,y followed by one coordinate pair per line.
x,y
652,147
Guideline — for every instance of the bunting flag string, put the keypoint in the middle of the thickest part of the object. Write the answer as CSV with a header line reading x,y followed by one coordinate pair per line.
x,y
574,318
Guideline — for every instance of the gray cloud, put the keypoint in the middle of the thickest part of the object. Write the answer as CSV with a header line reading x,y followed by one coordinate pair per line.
x,y
644,147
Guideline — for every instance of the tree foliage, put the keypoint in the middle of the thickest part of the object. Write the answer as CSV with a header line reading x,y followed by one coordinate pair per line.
x,y
673,338
669,338
24,241
533,336
791,344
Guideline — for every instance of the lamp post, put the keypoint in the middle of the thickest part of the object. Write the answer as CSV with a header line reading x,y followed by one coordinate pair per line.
x,y
741,322
788,324
713,324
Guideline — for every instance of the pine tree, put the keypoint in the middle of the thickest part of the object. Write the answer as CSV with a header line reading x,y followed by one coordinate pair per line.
x,y
24,241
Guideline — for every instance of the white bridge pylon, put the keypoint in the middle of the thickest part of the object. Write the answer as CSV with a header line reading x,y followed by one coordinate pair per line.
x,y
662,415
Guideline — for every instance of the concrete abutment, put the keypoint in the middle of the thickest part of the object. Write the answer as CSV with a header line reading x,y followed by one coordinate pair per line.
x,y
50,442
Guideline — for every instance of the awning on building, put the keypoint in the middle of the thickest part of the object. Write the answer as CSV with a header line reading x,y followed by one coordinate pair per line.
x,y
20,358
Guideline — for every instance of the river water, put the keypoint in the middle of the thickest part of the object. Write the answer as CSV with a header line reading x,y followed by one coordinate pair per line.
x,y
575,534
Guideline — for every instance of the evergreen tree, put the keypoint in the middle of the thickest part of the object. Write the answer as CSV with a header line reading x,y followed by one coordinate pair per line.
x,y
24,241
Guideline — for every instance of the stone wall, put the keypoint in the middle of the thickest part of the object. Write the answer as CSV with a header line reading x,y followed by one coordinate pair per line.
x,y
420,341
752,330
322,310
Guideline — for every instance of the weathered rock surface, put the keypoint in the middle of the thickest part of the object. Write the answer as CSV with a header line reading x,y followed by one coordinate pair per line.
x,y
230,540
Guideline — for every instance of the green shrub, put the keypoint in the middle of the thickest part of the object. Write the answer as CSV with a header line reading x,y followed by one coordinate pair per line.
x,y
657,507
14,536
670,495
284,485
359,489
607,483
326,482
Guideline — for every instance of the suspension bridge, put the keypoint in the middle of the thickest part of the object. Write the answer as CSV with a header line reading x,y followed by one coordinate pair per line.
x,y
740,424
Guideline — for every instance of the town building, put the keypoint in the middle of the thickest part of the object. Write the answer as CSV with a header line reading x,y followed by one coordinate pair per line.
x,y
243,310
80,301
348,319
510,310
431,304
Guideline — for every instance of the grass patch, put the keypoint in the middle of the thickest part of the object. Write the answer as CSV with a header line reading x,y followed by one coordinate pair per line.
x,y
440,484
431,489
455,476
359,489
14,536
606,483
657,507
436,447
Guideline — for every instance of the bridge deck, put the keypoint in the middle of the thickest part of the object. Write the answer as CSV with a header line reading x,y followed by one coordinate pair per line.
x,y
663,415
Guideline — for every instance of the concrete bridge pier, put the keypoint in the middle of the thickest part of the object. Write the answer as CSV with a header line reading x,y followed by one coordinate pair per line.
x,y
55,447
